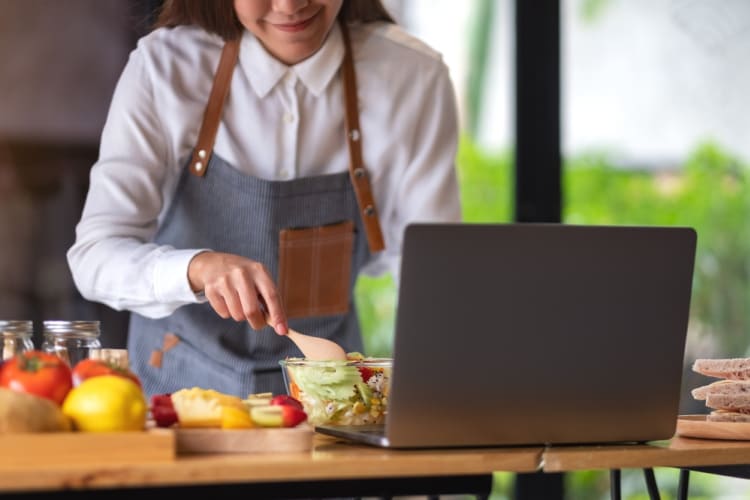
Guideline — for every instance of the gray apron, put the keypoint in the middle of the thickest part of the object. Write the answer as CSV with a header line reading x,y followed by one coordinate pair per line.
x,y
216,206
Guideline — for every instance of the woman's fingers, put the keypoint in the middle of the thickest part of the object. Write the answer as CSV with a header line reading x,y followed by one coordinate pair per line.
x,y
265,306
239,288
217,302
252,307
234,303
275,314
222,294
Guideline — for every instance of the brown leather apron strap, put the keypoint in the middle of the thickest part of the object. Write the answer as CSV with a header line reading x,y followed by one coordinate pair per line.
x,y
212,114
357,171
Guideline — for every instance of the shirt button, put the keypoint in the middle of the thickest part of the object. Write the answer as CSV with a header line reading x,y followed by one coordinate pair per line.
x,y
288,117
284,173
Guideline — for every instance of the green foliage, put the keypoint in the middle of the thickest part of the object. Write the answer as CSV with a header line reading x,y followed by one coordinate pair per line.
x,y
376,307
591,10
485,182
480,44
586,485
502,486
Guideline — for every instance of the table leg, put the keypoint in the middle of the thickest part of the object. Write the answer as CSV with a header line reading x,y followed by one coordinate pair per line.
x,y
682,485
653,489
614,484
535,485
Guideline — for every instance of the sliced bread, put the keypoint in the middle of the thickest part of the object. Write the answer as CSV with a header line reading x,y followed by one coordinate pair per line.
x,y
729,387
732,402
727,416
727,368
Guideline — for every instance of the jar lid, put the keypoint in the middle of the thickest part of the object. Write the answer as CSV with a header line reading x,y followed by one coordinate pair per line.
x,y
15,327
60,327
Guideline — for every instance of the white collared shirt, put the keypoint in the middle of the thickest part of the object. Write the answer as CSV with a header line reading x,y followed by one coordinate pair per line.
x,y
279,122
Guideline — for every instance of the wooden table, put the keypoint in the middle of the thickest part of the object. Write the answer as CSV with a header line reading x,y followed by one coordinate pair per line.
x,y
332,468
679,452
338,468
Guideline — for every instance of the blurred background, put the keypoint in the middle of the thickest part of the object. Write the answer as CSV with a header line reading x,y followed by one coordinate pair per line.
x,y
60,63
606,111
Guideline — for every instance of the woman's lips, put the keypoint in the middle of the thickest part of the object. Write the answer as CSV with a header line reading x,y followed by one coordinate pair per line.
x,y
294,27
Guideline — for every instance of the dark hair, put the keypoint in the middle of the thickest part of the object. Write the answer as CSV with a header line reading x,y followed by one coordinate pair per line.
x,y
218,16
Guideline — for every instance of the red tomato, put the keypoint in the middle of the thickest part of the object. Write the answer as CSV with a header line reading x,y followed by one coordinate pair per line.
x,y
366,372
36,372
88,367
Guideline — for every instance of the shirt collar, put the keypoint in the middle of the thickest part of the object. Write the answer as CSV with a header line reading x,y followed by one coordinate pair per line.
x,y
316,72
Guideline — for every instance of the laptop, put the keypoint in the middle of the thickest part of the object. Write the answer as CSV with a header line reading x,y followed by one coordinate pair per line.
x,y
536,333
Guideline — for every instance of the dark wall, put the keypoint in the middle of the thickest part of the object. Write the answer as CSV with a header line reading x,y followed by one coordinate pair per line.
x,y
61,61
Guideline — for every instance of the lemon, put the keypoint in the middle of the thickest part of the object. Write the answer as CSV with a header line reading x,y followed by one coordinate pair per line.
x,y
106,403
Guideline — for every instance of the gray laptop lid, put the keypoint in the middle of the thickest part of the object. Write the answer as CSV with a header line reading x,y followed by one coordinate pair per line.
x,y
510,334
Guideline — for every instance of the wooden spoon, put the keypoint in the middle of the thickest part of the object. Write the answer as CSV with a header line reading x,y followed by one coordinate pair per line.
x,y
315,347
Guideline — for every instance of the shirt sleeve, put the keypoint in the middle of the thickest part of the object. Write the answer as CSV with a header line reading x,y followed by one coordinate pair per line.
x,y
426,190
112,259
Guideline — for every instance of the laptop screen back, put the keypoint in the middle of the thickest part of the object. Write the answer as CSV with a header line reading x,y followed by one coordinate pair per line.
x,y
539,333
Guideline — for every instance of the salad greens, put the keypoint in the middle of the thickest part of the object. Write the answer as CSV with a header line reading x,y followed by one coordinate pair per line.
x,y
349,392
334,380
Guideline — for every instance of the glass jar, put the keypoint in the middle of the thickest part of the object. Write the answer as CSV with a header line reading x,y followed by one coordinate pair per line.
x,y
16,336
71,341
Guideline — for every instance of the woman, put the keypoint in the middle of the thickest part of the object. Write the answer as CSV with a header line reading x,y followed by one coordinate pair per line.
x,y
235,187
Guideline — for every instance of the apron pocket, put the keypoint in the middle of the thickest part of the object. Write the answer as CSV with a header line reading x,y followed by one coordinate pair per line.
x,y
315,268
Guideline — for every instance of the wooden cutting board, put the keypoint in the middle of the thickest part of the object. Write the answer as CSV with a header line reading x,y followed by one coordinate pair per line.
x,y
256,440
696,426
153,445
48,448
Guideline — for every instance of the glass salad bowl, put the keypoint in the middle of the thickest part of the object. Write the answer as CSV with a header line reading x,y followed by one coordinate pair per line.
x,y
351,392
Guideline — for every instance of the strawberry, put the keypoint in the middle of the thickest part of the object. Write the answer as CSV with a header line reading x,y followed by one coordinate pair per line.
x,y
292,416
162,410
284,399
161,400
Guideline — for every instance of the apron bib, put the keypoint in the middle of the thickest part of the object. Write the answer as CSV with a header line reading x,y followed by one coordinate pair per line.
x,y
308,222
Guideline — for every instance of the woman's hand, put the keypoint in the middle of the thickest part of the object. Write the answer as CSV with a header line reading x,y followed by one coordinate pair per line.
x,y
239,288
